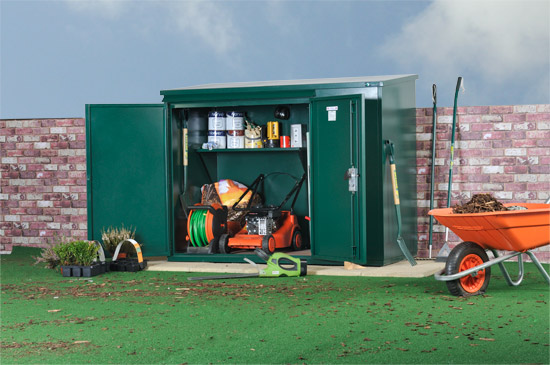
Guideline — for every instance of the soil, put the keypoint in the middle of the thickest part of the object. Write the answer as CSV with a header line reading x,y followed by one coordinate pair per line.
x,y
480,203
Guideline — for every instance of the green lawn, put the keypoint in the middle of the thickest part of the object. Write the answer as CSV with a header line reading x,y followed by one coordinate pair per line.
x,y
160,317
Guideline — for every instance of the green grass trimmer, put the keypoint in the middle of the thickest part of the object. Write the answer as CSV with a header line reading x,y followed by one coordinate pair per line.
x,y
278,265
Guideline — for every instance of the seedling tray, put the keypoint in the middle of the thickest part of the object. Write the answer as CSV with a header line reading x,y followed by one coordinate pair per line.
x,y
131,265
84,271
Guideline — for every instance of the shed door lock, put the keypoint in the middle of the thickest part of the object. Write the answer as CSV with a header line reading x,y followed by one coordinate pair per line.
x,y
351,176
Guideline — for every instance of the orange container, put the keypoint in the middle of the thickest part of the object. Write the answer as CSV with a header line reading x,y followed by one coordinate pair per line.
x,y
515,230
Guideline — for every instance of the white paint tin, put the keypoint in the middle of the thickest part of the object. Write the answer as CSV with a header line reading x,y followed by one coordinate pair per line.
x,y
217,137
216,121
234,121
235,139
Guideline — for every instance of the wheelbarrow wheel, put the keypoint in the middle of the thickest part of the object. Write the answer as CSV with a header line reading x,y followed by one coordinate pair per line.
x,y
465,256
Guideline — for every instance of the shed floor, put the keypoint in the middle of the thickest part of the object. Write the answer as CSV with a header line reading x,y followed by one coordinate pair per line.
x,y
400,269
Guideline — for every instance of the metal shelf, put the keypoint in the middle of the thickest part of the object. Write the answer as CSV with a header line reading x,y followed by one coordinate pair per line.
x,y
252,150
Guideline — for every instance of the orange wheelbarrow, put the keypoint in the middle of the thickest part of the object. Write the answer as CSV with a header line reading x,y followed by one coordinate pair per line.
x,y
468,268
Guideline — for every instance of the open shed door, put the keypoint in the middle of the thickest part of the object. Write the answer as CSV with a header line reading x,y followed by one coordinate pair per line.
x,y
334,170
127,173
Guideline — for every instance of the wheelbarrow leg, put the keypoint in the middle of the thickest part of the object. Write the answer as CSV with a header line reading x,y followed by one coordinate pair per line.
x,y
505,272
539,266
521,271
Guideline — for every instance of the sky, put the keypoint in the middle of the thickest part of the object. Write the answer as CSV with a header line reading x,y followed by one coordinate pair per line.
x,y
58,56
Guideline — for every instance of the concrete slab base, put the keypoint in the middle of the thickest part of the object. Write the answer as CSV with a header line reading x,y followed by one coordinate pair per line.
x,y
400,269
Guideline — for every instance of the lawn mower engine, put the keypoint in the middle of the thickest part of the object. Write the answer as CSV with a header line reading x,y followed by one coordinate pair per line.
x,y
263,223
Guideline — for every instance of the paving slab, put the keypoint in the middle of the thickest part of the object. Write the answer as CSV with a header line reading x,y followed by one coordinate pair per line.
x,y
400,269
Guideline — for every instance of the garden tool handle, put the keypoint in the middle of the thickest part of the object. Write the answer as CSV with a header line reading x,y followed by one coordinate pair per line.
x,y
458,84
434,94
393,170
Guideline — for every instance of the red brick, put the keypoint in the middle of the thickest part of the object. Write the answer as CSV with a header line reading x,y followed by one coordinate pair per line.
x,y
515,135
77,145
538,151
543,186
524,143
539,169
503,143
76,130
60,145
493,135
503,161
62,218
49,138
537,117
478,109
515,169
501,109
473,119
538,134
31,153
51,211
64,123
48,123
476,127
514,118
7,131
502,178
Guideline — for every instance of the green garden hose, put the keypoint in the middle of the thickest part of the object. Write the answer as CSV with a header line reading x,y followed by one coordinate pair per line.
x,y
197,231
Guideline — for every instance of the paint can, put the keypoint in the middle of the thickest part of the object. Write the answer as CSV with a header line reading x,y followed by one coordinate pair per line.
x,y
234,121
253,142
285,141
216,121
217,137
235,139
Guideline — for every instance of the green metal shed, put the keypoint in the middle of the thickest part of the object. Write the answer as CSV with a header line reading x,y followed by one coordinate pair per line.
x,y
141,170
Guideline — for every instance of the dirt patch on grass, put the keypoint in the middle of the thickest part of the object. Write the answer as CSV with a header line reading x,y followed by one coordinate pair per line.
x,y
52,346
156,288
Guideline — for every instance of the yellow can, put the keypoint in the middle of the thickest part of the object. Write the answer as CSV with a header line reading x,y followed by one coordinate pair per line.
x,y
273,130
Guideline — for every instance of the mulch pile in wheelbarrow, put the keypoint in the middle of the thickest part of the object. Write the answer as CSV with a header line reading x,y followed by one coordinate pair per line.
x,y
480,203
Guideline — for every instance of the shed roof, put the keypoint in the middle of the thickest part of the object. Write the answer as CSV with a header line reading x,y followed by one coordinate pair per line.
x,y
360,81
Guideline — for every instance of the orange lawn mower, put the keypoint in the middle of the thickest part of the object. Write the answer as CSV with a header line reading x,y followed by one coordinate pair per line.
x,y
267,227
468,268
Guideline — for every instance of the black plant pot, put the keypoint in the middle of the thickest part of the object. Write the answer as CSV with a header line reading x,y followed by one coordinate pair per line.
x,y
82,271
131,265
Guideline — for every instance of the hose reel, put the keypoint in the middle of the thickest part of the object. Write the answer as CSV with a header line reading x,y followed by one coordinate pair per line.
x,y
205,225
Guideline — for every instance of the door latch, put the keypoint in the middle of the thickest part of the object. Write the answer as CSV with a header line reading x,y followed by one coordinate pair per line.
x,y
352,176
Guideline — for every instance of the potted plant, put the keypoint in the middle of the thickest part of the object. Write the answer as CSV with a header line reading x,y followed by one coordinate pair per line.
x,y
47,256
112,236
77,258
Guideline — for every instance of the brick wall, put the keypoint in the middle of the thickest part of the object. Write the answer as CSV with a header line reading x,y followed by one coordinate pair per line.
x,y
504,150
43,186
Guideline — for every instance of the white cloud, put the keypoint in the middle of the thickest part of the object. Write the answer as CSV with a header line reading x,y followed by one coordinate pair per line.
x,y
211,21
494,41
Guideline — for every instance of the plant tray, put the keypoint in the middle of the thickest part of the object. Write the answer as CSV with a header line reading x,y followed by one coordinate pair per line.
x,y
84,271
131,265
